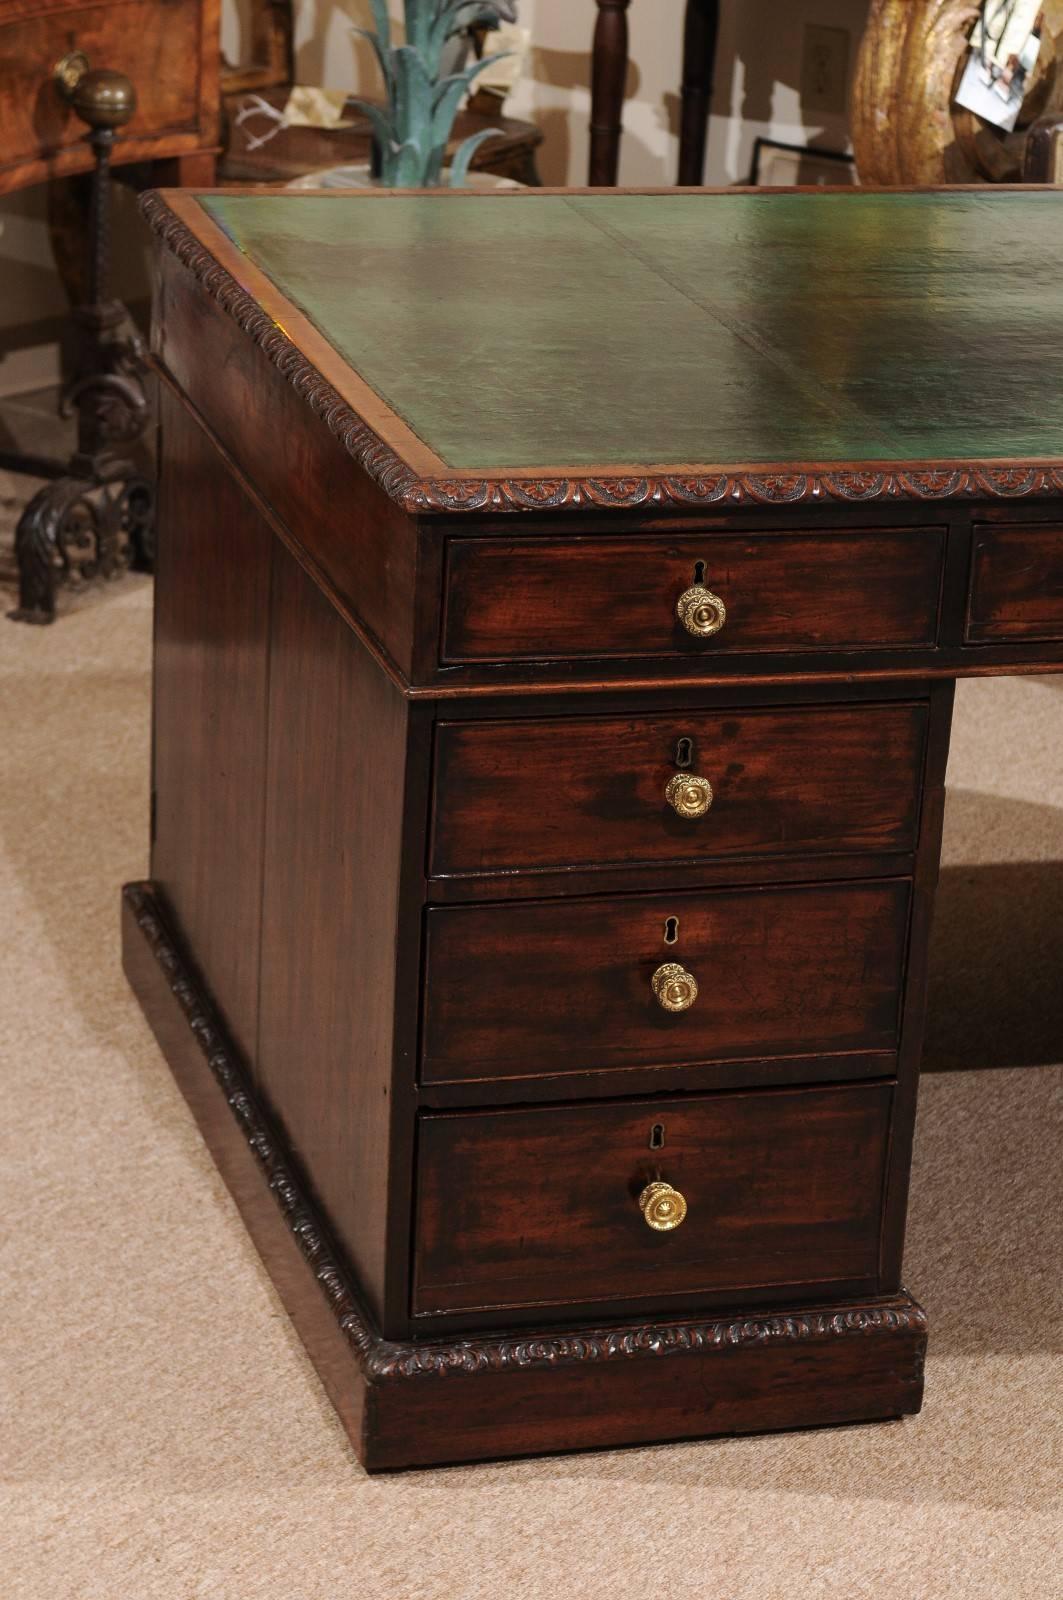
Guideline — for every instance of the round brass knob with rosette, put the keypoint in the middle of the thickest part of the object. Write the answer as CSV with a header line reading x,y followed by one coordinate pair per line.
x,y
701,612
675,988
688,795
663,1207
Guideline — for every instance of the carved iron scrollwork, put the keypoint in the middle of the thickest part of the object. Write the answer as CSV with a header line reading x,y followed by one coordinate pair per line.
x,y
111,406
97,519
82,528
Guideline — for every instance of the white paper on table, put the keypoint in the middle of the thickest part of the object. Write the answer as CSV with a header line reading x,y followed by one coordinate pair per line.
x,y
308,107
502,76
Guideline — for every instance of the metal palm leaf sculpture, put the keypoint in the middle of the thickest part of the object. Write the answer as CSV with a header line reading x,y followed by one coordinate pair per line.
x,y
414,127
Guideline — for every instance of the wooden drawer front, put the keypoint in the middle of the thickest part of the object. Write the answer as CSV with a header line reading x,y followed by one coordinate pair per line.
x,y
1016,584
590,792
531,599
560,986
536,1207
156,44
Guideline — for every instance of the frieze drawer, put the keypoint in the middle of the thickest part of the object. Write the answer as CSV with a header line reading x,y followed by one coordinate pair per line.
x,y
698,595
547,987
644,1200
1016,584
675,787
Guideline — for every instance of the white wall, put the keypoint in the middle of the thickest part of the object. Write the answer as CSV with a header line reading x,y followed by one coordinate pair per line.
x,y
758,80
758,72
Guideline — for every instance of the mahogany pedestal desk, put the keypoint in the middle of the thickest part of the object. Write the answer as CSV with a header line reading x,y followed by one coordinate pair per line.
x,y
560,598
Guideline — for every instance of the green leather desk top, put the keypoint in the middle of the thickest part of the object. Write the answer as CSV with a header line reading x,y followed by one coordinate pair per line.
x,y
600,331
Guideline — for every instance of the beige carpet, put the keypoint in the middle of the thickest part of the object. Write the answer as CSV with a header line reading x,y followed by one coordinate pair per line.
x,y
163,1434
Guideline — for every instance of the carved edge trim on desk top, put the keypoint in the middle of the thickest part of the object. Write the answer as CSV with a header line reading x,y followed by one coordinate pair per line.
x,y
383,1359
662,491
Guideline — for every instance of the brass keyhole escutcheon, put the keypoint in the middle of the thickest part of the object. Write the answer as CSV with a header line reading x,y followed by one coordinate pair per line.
x,y
663,1207
701,612
689,795
675,988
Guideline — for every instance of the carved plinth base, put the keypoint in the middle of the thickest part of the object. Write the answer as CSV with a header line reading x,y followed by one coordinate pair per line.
x,y
425,1403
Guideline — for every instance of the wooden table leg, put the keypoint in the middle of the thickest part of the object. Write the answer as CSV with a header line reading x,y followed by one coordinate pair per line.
x,y
608,74
700,33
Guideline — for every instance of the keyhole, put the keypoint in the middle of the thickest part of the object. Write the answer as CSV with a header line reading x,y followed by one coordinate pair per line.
x,y
657,1136
671,930
684,753
699,572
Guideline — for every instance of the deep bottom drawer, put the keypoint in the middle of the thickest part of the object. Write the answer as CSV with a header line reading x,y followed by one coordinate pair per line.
x,y
541,1206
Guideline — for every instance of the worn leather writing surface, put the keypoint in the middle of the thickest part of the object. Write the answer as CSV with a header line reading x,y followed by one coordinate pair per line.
x,y
716,329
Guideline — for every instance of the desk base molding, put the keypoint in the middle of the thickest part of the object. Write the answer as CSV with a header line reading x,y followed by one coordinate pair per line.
x,y
419,1403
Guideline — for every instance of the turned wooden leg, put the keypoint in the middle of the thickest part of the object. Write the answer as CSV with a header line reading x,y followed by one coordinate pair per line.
x,y
700,33
608,75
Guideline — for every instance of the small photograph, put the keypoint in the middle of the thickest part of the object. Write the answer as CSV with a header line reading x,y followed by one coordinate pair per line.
x,y
785,166
1005,45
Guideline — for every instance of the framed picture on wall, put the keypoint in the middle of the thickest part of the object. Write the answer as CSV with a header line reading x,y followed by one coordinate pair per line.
x,y
784,166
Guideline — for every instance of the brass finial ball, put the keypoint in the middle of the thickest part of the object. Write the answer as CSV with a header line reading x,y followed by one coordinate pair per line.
x,y
104,99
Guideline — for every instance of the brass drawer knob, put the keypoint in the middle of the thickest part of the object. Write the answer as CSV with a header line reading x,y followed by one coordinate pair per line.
x,y
675,988
701,612
663,1207
689,796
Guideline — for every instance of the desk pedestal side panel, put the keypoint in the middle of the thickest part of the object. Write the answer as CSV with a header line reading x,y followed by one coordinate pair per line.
x,y
213,579
341,894
278,800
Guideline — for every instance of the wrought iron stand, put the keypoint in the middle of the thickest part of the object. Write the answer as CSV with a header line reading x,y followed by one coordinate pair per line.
x,y
97,515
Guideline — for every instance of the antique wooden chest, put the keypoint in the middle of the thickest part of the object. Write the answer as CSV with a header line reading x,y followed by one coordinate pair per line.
x,y
559,603
169,49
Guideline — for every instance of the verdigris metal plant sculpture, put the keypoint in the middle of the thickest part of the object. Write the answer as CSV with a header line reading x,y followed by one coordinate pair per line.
x,y
412,130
